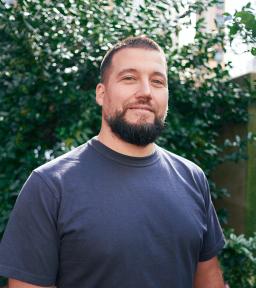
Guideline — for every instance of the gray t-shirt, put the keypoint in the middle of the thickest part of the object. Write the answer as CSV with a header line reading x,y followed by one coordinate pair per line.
x,y
96,218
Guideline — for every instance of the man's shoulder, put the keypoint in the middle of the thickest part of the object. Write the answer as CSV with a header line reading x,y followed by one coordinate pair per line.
x,y
63,163
184,171
179,162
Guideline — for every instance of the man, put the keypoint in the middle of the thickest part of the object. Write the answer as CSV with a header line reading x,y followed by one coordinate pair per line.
x,y
117,211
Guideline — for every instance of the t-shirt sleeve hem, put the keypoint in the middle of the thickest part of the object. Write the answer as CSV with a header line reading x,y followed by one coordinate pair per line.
x,y
213,252
23,276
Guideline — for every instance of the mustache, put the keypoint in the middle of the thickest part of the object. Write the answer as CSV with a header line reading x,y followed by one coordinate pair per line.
x,y
139,105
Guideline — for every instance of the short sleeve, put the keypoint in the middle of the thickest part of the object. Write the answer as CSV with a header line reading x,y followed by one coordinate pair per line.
x,y
29,247
213,240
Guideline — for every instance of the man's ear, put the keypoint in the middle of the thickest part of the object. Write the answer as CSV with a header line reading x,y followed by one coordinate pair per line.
x,y
100,93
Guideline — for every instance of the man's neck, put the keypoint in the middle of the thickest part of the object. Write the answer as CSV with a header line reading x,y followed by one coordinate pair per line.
x,y
115,143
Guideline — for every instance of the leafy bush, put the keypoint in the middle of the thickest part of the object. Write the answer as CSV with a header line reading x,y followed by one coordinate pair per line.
x,y
49,58
238,260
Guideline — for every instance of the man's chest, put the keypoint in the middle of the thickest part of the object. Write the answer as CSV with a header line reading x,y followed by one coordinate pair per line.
x,y
130,217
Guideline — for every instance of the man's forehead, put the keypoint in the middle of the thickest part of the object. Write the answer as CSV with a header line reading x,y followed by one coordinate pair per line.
x,y
138,58
134,51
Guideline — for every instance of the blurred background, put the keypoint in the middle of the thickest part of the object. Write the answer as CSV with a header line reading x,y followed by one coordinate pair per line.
x,y
50,52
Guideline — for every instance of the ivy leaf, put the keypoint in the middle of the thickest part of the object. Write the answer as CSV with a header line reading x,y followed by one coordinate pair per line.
x,y
247,18
233,29
253,51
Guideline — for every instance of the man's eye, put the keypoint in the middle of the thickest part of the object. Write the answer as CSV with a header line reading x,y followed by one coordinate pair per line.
x,y
158,82
129,78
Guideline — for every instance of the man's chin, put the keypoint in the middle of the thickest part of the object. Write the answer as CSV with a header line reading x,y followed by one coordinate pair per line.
x,y
138,131
139,120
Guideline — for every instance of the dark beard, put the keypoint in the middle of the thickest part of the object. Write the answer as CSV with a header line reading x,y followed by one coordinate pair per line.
x,y
137,134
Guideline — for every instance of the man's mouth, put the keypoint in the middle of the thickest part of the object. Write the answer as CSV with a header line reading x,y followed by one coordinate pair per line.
x,y
143,108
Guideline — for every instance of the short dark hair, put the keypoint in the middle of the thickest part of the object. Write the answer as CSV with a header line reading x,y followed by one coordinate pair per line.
x,y
130,42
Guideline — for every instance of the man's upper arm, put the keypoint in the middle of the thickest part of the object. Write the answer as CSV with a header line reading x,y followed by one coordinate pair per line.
x,y
29,247
213,239
13,283
209,274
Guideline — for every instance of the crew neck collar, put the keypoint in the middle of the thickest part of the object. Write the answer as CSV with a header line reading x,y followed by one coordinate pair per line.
x,y
122,158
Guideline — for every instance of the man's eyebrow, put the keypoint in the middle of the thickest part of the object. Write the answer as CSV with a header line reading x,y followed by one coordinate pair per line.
x,y
129,70
132,70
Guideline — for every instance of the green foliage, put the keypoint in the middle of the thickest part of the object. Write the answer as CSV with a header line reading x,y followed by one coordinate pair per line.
x,y
49,58
243,23
50,52
238,260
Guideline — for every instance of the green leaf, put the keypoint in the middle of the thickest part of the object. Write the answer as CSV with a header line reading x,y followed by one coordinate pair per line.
x,y
118,2
253,51
234,29
247,18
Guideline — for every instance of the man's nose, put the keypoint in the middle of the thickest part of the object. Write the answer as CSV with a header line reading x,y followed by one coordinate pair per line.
x,y
144,90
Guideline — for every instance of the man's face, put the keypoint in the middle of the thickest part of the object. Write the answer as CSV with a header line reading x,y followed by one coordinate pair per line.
x,y
135,90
